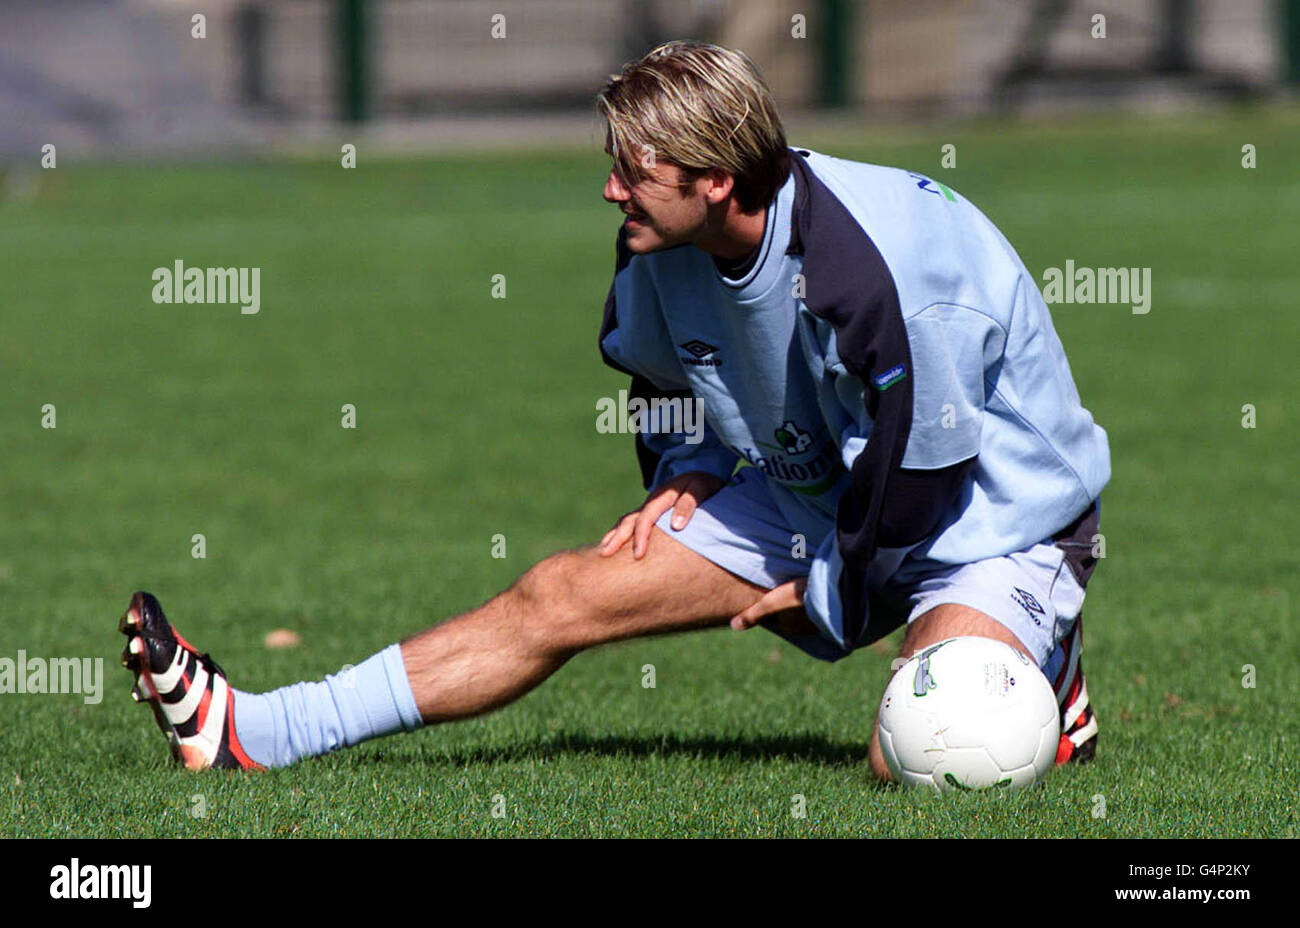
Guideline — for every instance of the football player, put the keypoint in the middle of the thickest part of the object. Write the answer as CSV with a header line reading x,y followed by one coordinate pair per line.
x,y
891,436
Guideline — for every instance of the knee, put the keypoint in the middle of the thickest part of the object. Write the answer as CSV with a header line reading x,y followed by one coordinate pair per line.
x,y
550,583
550,601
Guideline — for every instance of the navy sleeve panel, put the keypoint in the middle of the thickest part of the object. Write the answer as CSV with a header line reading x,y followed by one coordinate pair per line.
x,y
917,501
646,457
848,284
623,255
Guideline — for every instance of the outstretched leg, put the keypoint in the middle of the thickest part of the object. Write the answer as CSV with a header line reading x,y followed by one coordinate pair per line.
x,y
573,600
465,666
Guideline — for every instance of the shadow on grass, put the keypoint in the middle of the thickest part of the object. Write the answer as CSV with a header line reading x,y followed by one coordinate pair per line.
x,y
797,748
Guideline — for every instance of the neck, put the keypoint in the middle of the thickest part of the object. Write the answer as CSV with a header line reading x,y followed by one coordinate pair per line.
x,y
730,234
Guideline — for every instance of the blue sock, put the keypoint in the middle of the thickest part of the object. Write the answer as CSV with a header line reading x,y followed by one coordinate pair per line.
x,y
305,719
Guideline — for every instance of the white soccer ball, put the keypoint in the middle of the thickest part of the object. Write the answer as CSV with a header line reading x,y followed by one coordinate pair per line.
x,y
969,713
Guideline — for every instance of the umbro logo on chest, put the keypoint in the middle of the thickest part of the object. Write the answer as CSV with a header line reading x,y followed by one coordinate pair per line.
x,y
700,354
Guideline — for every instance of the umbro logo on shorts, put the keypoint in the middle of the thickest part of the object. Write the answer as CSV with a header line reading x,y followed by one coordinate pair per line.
x,y
1027,602
700,351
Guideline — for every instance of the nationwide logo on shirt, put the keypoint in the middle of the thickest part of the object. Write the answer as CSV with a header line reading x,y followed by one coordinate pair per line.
x,y
793,439
889,378
938,189
700,352
796,461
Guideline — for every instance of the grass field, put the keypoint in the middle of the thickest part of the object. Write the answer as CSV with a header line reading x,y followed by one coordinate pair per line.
x,y
476,417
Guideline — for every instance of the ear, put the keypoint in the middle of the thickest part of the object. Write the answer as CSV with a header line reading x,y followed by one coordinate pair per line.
x,y
719,185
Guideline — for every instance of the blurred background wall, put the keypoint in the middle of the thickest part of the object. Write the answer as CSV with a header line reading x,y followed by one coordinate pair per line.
x,y
112,75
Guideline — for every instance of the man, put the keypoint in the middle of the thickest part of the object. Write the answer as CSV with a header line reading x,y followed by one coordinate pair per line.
x,y
863,341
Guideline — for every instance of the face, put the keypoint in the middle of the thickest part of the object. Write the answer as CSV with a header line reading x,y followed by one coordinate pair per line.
x,y
660,213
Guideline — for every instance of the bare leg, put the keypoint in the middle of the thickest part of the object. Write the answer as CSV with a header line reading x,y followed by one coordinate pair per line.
x,y
486,658
947,621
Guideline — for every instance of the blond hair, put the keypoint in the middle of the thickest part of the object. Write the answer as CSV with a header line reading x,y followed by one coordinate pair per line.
x,y
701,108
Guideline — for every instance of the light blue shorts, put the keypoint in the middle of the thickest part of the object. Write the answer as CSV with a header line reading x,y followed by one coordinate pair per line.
x,y
1036,593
